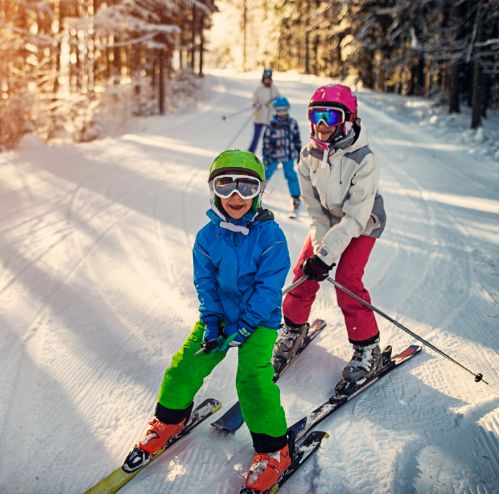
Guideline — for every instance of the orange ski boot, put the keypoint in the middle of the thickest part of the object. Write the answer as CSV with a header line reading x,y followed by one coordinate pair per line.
x,y
158,435
267,468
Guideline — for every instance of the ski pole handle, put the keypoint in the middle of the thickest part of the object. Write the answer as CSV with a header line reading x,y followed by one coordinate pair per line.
x,y
207,347
298,282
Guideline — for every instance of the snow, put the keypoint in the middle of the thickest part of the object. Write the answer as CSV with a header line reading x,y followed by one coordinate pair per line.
x,y
96,294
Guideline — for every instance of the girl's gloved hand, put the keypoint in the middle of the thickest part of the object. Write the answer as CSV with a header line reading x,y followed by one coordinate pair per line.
x,y
315,268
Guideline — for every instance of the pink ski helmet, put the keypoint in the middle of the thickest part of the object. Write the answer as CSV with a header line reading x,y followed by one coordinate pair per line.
x,y
336,96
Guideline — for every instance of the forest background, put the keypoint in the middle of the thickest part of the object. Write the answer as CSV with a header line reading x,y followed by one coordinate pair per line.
x,y
80,69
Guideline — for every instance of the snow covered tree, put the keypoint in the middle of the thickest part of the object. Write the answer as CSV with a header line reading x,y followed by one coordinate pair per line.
x,y
63,59
417,47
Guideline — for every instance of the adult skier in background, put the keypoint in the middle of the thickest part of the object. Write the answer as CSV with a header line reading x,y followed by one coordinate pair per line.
x,y
262,100
282,144
241,261
339,178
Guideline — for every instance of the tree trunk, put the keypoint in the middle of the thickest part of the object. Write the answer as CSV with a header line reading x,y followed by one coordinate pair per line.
x,y
161,82
201,45
193,39
457,13
116,61
245,35
454,89
316,54
476,98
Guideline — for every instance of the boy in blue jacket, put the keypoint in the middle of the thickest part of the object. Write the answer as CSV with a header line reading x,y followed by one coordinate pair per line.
x,y
282,144
241,261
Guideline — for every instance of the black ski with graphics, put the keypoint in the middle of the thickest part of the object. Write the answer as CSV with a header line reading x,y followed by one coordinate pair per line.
x,y
346,392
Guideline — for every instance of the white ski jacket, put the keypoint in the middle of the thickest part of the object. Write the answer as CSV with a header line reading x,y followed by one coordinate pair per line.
x,y
262,102
340,190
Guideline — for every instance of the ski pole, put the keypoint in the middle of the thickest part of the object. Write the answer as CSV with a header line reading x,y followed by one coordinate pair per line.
x,y
238,112
247,121
478,377
299,281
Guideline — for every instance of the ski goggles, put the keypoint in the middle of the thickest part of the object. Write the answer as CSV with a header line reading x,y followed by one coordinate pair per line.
x,y
245,186
329,116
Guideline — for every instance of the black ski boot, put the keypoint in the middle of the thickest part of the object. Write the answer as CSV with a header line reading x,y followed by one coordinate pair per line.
x,y
366,361
289,342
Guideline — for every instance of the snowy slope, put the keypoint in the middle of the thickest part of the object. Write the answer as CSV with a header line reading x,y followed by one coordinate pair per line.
x,y
96,294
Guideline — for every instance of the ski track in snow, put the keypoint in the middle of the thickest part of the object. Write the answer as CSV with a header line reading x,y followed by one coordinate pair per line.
x,y
96,295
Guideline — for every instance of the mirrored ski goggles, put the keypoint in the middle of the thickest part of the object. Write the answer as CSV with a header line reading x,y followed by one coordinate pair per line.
x,y
330,116
245,186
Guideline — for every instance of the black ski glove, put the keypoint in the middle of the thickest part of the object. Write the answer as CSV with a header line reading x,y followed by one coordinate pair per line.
x,y
315,268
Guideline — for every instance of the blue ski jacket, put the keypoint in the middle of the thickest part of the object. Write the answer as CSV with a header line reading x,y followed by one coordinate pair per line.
x,y
240,268
281,141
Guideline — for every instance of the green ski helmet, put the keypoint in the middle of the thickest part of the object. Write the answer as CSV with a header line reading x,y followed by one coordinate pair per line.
x,y
235,161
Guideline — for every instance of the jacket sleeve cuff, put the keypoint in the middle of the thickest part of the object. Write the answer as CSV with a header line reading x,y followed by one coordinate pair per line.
x,y
322,255
210,319
244,324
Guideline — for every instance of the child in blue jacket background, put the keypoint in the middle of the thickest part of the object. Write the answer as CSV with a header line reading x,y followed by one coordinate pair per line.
x,y
241,261
282,144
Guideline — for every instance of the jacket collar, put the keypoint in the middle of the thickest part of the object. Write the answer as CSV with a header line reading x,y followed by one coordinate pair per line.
x,y
241,225
352,141
278,121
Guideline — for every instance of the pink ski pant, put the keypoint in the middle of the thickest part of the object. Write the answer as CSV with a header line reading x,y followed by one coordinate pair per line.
x,y
360,321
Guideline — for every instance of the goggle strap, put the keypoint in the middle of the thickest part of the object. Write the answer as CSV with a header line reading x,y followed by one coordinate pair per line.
x,y
236,177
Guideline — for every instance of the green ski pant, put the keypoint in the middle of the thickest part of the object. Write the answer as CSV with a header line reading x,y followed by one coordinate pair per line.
x,y
258,395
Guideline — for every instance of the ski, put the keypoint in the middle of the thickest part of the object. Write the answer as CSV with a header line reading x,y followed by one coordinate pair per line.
x,y
303,452
232,419
117,479
300,428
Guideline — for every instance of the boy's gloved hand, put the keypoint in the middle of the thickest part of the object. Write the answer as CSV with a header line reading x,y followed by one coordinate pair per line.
x,y
257,106
235,335
211,333
315,268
